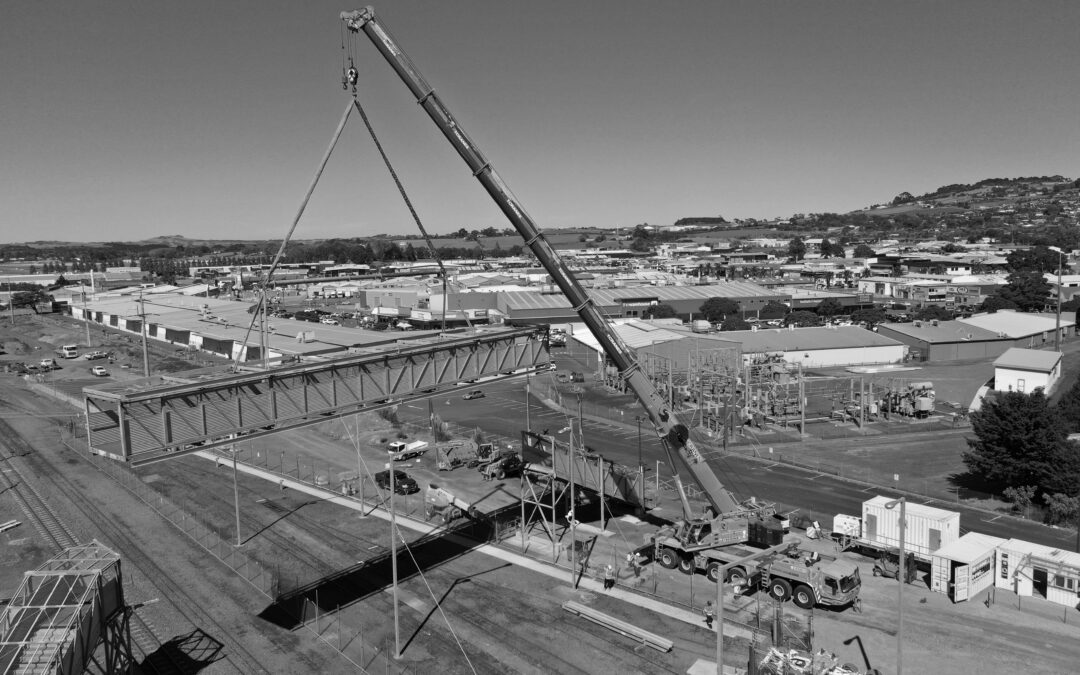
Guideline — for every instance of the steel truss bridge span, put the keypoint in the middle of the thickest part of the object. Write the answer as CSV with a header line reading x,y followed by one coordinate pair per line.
x,y
161,418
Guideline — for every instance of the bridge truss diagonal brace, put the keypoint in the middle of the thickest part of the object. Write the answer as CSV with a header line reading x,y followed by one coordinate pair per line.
x,y
166,421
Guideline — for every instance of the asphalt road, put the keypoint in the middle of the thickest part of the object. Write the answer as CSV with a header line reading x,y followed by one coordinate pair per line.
x,y
503,412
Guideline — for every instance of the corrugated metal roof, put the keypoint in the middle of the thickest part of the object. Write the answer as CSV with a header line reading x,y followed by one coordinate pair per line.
x,y
1016,324
613,296
637,334
969,548
1028,359
945,331
786,340
1045,553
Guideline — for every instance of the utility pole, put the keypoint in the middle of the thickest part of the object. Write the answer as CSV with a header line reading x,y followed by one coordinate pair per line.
x,y
393,564
86,317
1057,326
142,331
236,496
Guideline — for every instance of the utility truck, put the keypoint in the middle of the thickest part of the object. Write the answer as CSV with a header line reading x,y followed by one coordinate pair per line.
x,y
444,506
401,451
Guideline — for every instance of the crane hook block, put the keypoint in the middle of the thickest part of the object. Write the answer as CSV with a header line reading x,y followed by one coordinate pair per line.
x,y
352,75
678,435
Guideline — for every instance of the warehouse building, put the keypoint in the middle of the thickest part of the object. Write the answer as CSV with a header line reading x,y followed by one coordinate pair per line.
x,y
1025,329
530,307
980,337
946,340
819,347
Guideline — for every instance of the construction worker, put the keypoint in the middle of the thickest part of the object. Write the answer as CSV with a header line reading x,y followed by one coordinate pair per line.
x,y
609,578
710,613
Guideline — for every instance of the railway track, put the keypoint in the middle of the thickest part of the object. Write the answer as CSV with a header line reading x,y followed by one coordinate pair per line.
x,y
53,530
13,445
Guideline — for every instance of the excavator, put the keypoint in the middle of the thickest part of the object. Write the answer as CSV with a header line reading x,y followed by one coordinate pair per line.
x,y
729,519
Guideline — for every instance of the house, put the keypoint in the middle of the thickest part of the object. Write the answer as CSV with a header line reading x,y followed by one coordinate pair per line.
x,y
1025,370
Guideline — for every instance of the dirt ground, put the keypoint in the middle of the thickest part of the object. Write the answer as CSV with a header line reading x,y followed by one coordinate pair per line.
x,y
491,617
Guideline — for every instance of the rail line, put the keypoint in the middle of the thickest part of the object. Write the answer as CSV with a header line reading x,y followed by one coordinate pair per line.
x,y
55,533
190,609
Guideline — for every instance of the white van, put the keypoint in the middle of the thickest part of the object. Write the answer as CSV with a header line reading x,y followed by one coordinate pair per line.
x,y
70,351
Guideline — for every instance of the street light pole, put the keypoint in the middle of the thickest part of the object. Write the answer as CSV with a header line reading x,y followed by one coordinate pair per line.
x,y
900,585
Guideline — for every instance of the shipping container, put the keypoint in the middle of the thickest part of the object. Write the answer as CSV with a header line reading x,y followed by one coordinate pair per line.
x,y
928,528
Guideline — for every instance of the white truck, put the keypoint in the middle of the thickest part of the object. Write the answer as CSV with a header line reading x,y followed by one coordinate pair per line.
x,y
928,528
401,451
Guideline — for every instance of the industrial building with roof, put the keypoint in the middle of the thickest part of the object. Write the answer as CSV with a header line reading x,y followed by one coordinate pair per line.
x,y
817,347
1025,370
980,337
527,307
221,327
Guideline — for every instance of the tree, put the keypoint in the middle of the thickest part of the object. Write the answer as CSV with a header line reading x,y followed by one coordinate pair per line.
x,y
659,311
1021,497
864,251
952,248
773,310
1020,440
734,323
489,232
830,250
1029,290
717,309
932,312
830,307
796,249
1061,509
31,298
1068,407
1036,259
994,303
871,317
802,318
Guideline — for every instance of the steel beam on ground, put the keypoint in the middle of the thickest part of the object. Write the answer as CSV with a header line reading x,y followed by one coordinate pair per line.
x,y
165,417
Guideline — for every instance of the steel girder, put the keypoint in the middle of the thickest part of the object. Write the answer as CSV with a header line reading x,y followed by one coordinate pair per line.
x,y
161,422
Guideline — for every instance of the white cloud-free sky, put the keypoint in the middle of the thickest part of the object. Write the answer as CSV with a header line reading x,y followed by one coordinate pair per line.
x,y
122,120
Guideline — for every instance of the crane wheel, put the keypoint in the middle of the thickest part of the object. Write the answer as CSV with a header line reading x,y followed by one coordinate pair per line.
x,y
668,559
736,576
686,564
712,572
803,597
780,589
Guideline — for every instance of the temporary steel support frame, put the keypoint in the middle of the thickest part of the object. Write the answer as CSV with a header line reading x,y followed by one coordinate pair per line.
x,y
163,422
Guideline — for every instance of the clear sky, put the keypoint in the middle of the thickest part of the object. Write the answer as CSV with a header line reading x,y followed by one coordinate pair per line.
x,y
122,120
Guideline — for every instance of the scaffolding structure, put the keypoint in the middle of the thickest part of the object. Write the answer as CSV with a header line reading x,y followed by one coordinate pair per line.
x,y
63,611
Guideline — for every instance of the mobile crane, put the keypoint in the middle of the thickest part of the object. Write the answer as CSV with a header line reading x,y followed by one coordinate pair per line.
x,y
730,519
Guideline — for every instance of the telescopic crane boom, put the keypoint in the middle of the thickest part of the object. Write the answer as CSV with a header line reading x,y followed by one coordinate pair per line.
x,y
673,434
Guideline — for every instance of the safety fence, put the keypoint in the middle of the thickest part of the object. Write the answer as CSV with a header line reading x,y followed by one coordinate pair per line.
x,y
244,565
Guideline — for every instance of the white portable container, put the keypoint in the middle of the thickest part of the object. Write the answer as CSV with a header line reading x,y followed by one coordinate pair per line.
x,y
845,525
928,528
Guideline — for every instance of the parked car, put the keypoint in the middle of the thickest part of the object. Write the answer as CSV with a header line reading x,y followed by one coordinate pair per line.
x,y
99,371
562,377
330,322
475,393
403,483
